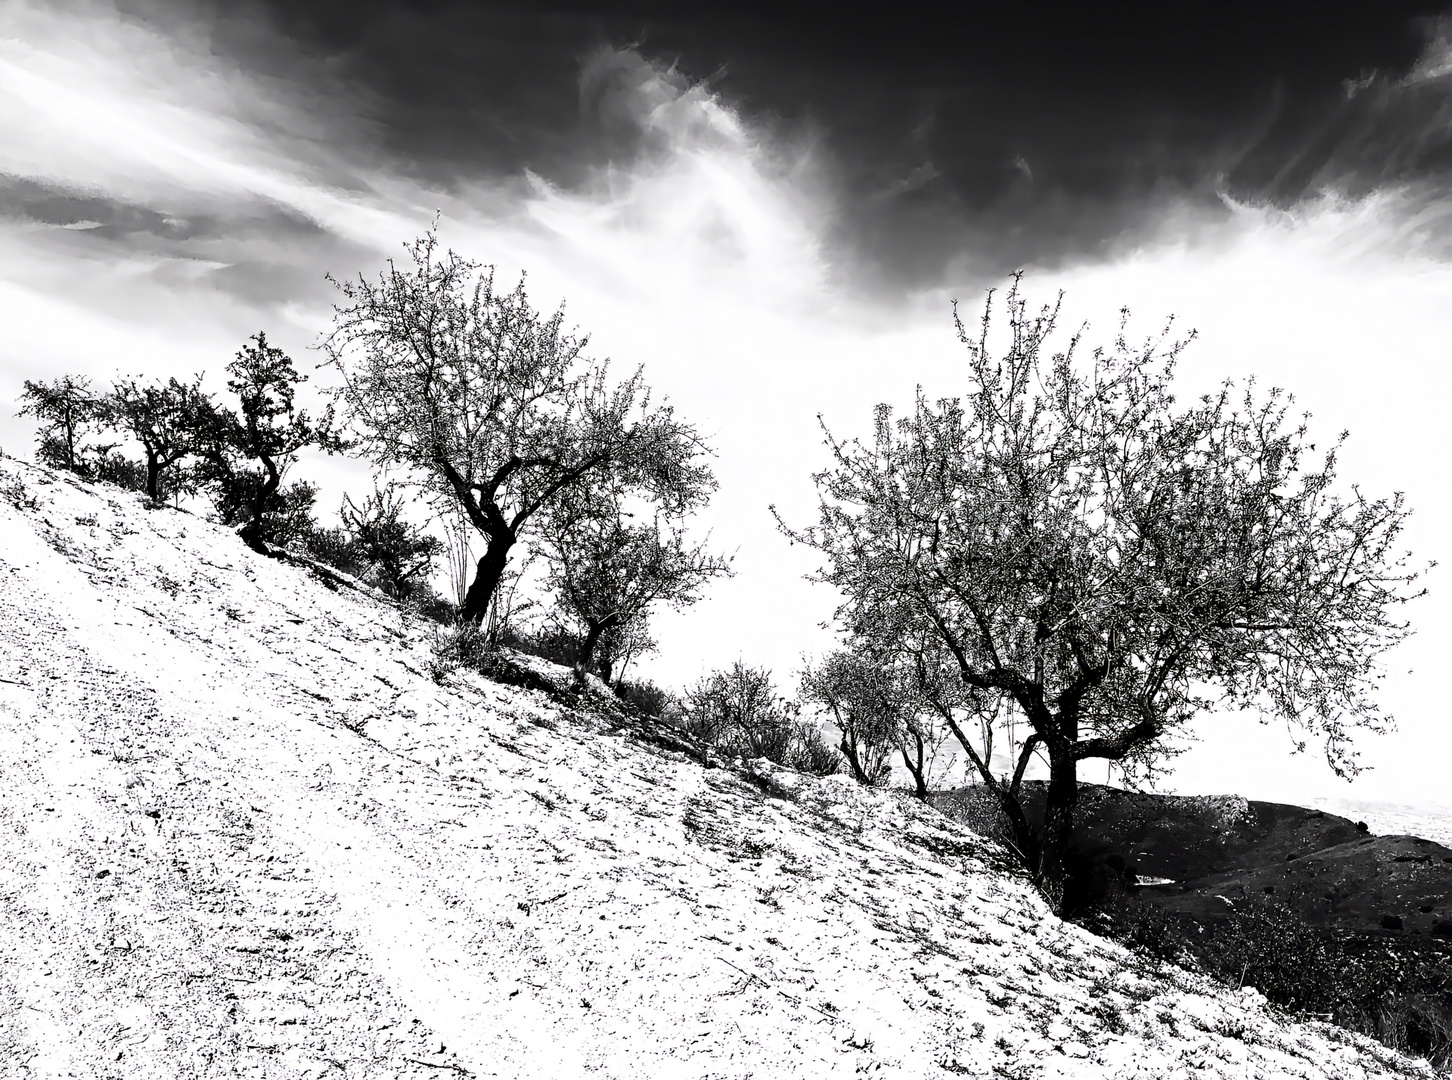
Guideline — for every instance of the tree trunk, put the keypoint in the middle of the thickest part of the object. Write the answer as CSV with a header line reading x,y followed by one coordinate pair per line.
x,y
486,578
1062,796
252,533
1025,839
587,648
918,768
153,476
849,751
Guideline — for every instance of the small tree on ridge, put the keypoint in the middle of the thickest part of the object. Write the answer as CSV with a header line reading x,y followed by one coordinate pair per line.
x,y
608,567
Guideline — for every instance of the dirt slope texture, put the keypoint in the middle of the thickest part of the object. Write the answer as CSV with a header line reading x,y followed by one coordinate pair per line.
x,y
245,834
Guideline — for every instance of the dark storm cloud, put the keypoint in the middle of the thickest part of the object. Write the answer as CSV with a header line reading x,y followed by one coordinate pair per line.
x,y
1022,133
250,248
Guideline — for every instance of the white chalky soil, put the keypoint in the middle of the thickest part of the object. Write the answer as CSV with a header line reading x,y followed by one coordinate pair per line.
x,y
245,834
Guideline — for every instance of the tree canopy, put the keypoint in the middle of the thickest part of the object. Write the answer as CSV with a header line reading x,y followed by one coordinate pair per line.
x,y
1071,542
168,420
69,412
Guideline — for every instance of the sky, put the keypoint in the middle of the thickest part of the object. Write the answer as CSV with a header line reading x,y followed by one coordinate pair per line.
x,y
772,207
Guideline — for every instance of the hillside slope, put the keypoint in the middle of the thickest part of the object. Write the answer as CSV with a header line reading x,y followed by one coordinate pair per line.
x,y
243,833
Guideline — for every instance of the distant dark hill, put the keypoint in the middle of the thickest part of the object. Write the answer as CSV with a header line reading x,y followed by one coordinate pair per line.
x,y
1200,855
1307,907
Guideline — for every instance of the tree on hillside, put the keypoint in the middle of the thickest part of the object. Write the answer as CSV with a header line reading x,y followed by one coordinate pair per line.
x,y
245,454
871,692
494,405
608,567
168,419
859,697
401,553
69,412
1111,563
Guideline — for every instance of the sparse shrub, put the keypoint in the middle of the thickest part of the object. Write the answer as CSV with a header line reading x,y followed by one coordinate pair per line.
x,y
399,553
1265,945
335,547
740,712
814,753
1136,922
1416,1024
466,645
737,710
15,491
644,695
555,644
118,469
460,645
428,604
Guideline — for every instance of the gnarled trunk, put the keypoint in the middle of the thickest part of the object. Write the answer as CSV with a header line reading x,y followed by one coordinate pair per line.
x,y
917,767
854,760
153,475
253,532
487,576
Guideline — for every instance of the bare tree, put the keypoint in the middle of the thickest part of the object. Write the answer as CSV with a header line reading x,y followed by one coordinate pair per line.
x,y
494,405
608,567
1112,563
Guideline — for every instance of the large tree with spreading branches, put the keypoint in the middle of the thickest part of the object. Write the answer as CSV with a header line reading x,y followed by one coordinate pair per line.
x,y
494,406
1076,544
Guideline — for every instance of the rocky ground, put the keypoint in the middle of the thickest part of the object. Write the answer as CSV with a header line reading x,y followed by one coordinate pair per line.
x,y
245,832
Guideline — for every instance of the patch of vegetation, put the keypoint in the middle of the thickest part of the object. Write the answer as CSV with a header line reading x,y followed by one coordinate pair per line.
x,y
466,646
645,697
739,712
1395,989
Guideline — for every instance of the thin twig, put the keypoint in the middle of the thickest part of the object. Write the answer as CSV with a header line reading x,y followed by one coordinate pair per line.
x,y
794,1000
444,1065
